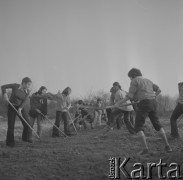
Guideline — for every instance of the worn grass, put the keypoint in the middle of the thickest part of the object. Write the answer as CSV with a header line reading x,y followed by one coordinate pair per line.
x,y
80,157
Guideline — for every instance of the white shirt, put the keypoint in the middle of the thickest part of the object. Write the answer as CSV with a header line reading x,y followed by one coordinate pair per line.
x,y
118,96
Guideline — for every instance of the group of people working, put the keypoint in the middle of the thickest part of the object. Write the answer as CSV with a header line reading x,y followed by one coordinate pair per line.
x,y
37,110
142,90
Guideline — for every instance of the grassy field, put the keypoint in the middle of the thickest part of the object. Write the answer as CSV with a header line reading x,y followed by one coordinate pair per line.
x,y
80,157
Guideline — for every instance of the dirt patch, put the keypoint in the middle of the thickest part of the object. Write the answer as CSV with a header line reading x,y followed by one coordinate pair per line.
x,y
81,157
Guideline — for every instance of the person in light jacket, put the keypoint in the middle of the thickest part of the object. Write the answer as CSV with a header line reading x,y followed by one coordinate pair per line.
x,y
63,106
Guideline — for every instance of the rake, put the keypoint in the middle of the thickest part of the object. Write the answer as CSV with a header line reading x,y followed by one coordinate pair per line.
x,y
20,115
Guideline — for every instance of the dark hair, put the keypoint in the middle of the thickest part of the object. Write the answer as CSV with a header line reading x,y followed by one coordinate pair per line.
x,y
134,72
80,102
117,84
99,99
66,90
111,90
26,80
41,89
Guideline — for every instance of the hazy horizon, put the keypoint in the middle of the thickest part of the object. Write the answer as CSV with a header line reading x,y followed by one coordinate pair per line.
x,y
88,45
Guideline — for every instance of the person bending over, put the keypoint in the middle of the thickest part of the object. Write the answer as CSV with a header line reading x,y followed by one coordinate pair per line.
x,y
19,98
145,91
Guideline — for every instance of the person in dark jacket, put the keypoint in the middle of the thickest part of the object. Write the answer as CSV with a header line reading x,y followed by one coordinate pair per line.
x,y
177,112
38,106
19,97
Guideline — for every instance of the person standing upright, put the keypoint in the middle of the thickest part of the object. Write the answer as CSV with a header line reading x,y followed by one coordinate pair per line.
x,y
63,106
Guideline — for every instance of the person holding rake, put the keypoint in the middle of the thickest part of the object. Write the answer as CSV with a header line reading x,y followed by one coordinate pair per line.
x,y
18,100
117,95
38,106
144,91
63,106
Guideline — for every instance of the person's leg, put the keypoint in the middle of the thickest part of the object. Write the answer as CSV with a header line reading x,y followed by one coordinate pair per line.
x,y
132,117
108,111
55,132
111,123
158,127
77,115
32,120
95,119
65,118
84,122
128,124
119,120
139,123
33,115
26,129
39,125
100,118
90,119
11,124
173,120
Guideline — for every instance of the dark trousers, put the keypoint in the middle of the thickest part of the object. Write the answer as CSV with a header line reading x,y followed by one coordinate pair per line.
x,y
65,118
117,119
178,111
80,119
11,124
147,108
127,119
39,124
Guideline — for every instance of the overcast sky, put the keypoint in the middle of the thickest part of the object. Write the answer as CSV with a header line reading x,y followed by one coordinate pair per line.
x,y
89,44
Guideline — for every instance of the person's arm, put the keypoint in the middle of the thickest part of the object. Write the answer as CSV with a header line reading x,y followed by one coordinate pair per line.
x,y
68,103
156,89
7,86
53,97
112,99
23,104
130,95
39,95
25,101
179,86
122,101
4,88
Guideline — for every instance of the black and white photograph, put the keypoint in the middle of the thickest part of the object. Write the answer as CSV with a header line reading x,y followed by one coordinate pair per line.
x,y
91,89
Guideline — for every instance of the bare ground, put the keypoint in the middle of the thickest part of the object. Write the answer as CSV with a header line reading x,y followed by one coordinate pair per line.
x,y
80,157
